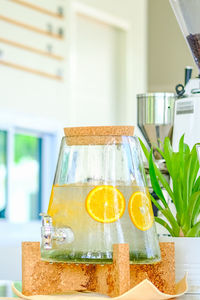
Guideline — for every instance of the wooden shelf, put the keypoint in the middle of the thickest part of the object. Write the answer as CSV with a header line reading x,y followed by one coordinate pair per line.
x,y
31,49
30,70
38,8
30,27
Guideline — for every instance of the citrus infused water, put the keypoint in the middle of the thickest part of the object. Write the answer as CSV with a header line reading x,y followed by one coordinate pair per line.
x,y
100,216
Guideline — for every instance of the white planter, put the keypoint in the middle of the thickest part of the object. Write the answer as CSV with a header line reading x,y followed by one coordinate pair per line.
x,y
187,259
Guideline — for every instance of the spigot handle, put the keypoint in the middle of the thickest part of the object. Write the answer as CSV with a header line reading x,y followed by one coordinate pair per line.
x,y
51,234
47,232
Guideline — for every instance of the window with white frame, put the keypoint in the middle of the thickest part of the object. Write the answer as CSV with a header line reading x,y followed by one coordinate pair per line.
x,y
25,176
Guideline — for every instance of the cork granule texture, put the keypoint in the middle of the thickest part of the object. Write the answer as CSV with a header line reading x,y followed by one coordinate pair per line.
x,y
162,274
97,135
43,278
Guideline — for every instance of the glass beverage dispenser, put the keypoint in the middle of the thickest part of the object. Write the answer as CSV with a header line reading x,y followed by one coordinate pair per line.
x,y
99,198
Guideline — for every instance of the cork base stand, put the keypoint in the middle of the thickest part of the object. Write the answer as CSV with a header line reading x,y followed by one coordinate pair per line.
x,y
43,278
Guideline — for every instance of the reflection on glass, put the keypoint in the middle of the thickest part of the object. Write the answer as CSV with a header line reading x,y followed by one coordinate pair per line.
x,y
26,178
3,173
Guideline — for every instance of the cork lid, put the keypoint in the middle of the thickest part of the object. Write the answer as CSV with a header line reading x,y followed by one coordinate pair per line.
x,y
97,135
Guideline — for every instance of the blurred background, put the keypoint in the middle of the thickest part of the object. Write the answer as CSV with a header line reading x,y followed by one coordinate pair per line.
x,y
71,63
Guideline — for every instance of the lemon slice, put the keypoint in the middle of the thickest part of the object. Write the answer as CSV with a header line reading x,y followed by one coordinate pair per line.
x,y
140,211
105,204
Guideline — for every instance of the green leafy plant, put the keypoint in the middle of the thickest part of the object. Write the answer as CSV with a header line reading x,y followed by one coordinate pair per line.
x,y
184,191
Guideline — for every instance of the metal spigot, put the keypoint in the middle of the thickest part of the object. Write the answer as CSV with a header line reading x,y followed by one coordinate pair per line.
x,y
51,234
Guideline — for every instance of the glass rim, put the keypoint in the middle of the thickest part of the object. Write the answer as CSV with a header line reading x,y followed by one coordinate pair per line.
x,y
97,140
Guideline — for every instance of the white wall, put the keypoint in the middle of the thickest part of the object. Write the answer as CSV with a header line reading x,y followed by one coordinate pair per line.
x,y
168,53
135,12
31,94
21,91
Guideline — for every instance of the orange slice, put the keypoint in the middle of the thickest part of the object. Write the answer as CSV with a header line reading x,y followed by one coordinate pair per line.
x,y
140,211
105,204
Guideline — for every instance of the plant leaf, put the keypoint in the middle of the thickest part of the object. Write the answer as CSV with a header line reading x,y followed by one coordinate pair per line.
x,y
165,211
169,216
194,169
155,202
154,181
194,199
181,157
180,205
183,148
144,149
194,231
196,211
186,181
160,151
196,186
161,143
161,178
168,154
183,167
165,225
171,219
